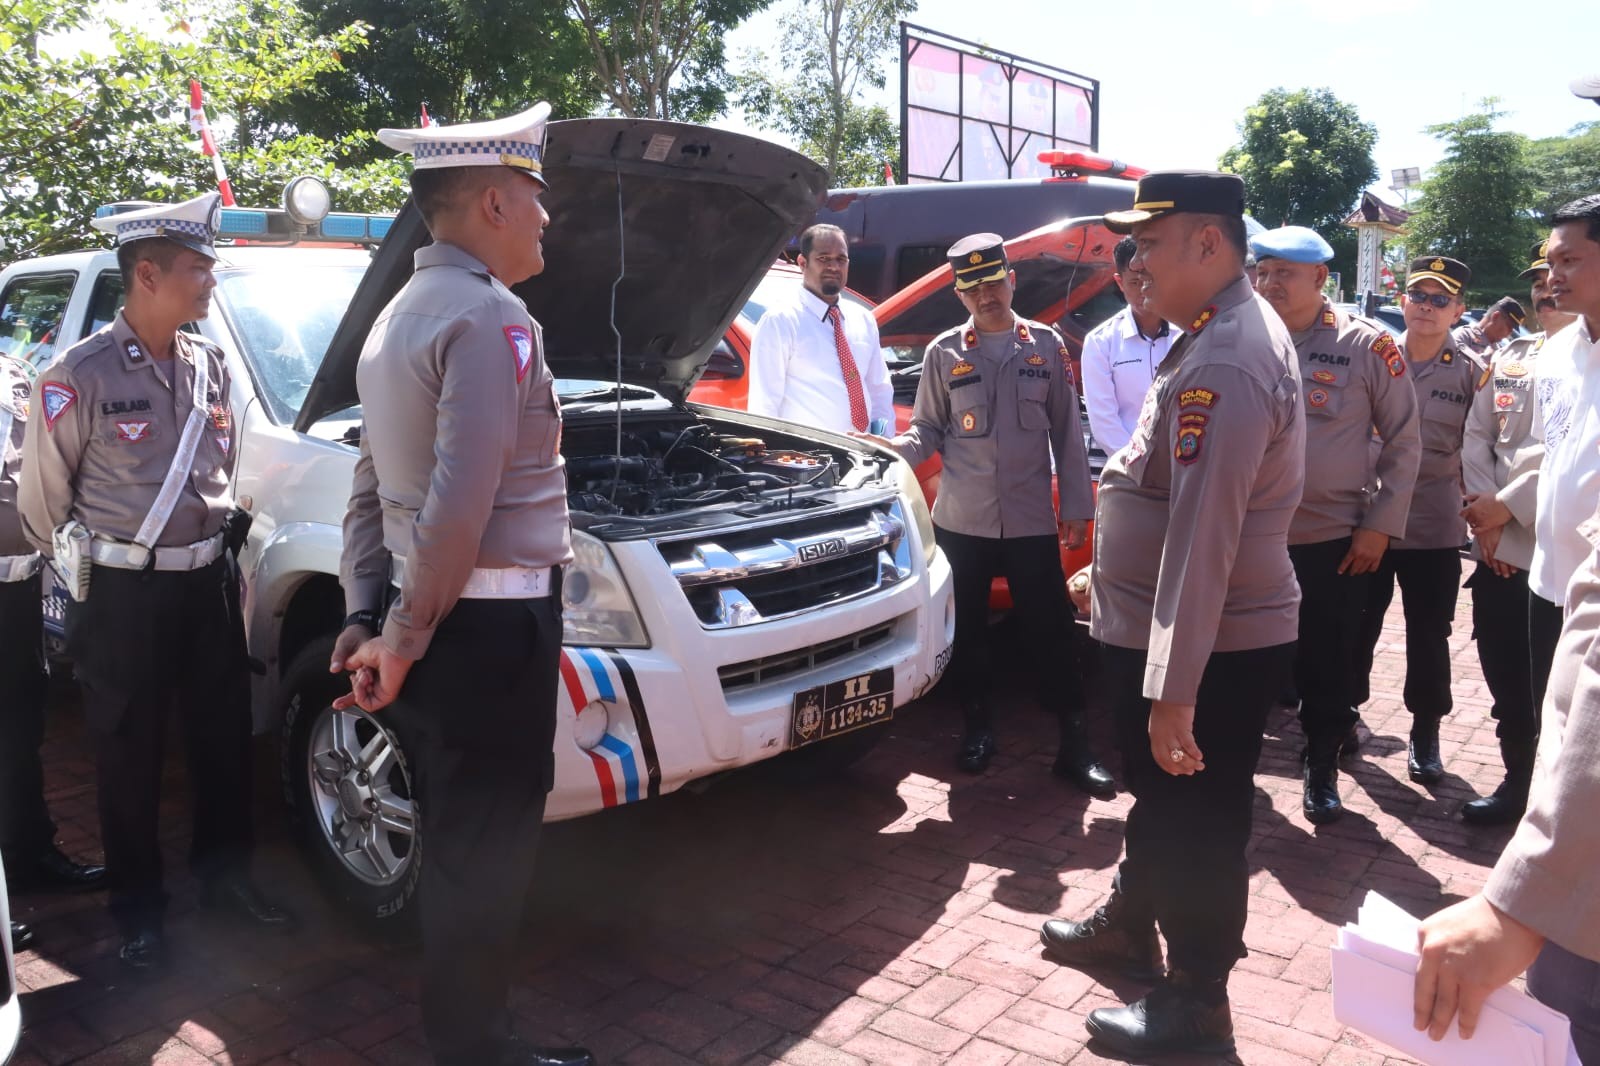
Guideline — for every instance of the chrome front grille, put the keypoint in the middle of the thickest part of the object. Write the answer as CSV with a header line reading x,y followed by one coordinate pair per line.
x,y
743,577
736,676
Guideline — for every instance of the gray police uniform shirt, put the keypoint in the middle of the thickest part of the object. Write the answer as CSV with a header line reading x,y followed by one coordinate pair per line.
x,y
1470,339
1503,446
997,408
1445,386
104,429
460,465
1191,539
1354,385
14,392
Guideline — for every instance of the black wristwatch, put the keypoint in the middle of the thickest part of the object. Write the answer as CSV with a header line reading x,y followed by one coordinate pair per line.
x,y
370,618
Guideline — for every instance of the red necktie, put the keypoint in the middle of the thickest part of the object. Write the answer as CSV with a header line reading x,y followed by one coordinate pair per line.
x,y
847,367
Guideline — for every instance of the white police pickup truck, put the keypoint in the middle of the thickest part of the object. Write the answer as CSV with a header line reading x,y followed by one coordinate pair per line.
x,y
743,587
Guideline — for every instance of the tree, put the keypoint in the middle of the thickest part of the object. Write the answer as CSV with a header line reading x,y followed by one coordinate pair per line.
x,y
454,56
1563,167
1305,156
82,130
663,58
834,51
1477,204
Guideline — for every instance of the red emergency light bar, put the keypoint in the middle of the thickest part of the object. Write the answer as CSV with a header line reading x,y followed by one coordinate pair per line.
x,y
1081,164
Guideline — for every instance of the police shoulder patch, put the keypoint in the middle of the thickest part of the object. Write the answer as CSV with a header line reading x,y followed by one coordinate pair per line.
x,y
521,342
1483,378
1198,398
57,399
1187,448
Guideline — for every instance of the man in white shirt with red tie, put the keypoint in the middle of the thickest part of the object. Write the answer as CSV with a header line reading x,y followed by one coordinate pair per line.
x,y
815,359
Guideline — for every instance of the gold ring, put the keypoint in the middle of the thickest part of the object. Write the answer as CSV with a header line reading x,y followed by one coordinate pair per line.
x,y
1176,754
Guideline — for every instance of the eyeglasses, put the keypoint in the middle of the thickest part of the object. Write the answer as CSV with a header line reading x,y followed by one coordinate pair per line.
x,y
1438,299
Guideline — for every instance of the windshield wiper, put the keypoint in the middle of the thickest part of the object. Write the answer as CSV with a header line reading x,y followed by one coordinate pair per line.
x,y
610,392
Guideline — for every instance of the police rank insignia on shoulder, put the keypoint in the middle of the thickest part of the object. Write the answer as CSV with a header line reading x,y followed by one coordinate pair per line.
x,y
1329,318
1022,333
1514,370
135,353
969,339
961,369
1202,318
1187,448
1197,398
1447,358
521,342
1035,360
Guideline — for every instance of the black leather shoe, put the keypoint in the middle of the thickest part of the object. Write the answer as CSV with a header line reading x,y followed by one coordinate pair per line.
x,y
1320,798
144,952
239,897
977,748
519,1053
1085,771
1106,940
1422,754
1500,808
51,871
21,936
1170,1019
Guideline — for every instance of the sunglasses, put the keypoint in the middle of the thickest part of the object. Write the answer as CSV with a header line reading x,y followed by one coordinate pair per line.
x,y
1437,299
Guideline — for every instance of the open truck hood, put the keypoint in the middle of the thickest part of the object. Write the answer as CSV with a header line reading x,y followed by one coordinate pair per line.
x,y
702,214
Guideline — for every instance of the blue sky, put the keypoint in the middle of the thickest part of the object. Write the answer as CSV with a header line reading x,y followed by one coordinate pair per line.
x,y
1177,75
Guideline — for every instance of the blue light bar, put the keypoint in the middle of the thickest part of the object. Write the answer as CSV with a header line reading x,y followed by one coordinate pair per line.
x,y
349,227
238,222
378,226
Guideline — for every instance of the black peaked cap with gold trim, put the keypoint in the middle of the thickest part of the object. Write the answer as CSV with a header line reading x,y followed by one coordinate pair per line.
x,y
1172,192
1453,274
977,259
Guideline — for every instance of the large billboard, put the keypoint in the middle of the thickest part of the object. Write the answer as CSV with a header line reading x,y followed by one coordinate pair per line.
x,y
970,113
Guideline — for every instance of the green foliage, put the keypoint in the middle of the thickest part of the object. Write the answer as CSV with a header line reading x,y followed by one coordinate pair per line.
x,y
465,59
1477,204
1305,156
82,130
662,58
830,52
1564,168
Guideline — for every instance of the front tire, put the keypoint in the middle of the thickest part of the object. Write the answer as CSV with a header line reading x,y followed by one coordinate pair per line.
x,y
349,788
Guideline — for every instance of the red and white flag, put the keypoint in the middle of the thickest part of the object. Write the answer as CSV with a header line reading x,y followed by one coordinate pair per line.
x,y
208,146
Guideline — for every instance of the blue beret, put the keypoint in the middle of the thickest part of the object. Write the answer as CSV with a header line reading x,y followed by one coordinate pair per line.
x,y
1297,244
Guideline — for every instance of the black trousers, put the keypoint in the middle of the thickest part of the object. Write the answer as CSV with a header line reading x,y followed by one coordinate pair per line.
x,y
1430,579
1500,625
25,825
1032,567
1331,607
1544,630
478,715
1185,862
143,642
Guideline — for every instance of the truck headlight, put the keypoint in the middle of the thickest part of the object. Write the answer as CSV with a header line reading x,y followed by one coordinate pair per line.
x,y
917,504
596,608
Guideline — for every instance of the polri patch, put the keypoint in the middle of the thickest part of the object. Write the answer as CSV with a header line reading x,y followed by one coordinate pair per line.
x,y
1187,449
1197,398
1387,350
521,342
57,398
1317,397
133,431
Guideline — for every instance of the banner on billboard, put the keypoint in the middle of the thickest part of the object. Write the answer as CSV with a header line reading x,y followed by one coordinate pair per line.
x,y
970,113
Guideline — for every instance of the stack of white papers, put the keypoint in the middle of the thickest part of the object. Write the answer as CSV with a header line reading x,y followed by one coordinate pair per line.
x,y
1374,967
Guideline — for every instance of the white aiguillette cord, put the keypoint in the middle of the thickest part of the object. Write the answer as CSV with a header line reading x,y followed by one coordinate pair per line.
x,y
183,460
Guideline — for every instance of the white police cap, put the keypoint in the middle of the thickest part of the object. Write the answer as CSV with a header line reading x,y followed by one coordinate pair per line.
x,y
192,223
517,141
1297,244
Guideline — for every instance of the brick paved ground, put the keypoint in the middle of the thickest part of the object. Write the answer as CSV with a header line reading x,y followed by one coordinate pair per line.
x,y
890,917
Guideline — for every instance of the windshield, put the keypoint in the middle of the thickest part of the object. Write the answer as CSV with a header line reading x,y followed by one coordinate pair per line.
x,y
283,318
